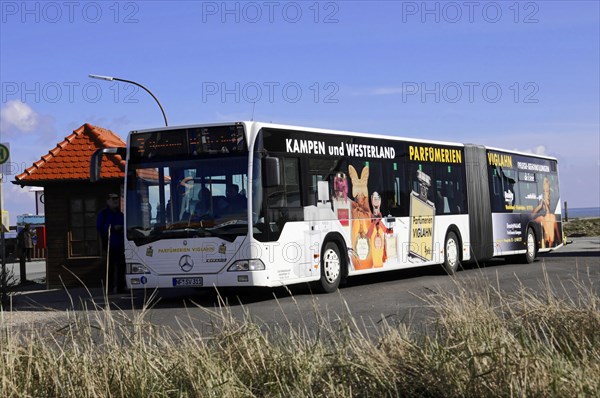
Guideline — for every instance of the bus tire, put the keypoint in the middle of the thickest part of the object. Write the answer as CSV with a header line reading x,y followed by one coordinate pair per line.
x,y
451,253
331,268
531,248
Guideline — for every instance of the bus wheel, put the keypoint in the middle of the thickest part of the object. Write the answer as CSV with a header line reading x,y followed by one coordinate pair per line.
x,y
451,256
331,268
529,255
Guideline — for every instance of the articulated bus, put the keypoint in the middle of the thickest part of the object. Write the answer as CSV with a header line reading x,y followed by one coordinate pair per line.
x,y
262,204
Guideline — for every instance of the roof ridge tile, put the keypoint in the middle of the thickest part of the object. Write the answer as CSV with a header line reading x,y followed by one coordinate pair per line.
x,y
72,156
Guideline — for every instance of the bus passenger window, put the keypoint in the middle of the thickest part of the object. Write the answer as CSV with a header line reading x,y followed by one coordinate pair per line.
x,y
312,189
392,200
284,202
449,192
288,193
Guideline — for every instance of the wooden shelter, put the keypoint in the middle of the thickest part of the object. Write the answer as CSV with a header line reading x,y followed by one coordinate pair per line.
x,y
72,203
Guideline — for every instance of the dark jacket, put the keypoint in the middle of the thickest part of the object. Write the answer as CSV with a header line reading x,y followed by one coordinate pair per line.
x,y
109,219
24,239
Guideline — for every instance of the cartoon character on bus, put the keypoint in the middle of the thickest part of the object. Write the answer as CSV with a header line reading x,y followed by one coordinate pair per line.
x,y
377,232
361,218
368,229
340,187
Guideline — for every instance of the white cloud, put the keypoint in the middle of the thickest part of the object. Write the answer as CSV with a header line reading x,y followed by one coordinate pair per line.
x,y
540,150
18,201
119,125
375,91
30,135
18,117
22,125
227,117
386,91
537,150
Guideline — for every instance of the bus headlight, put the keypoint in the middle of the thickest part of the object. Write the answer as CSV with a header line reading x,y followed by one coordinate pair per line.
x,y
247,265
136,268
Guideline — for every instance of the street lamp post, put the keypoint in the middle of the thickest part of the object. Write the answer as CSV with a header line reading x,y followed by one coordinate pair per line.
x,y
110,79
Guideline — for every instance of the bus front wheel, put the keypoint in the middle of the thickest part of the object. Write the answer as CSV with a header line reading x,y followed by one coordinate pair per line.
x,y
451,253
331,268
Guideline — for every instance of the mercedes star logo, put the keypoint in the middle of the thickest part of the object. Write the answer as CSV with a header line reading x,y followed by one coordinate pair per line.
x,y
186,263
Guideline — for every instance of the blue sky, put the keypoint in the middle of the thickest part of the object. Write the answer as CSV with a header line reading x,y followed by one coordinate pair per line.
x,y
514,75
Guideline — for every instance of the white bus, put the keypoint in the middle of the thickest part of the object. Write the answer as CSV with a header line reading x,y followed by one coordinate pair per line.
x,y
261,204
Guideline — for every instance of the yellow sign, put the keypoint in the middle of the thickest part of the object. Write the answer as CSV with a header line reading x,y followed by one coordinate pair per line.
x,y
499,159
5,220
421,228
209,249
433,154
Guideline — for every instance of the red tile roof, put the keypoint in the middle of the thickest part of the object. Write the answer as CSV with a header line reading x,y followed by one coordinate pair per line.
x,y
70,159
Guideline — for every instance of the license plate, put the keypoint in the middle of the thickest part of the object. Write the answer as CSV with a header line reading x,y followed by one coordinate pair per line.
x,y
187,281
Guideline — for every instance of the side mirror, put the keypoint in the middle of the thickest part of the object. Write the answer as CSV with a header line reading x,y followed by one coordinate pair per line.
x,y
96,160
271,174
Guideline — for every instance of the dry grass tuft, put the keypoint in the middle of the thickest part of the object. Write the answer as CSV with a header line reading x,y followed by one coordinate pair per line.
x,y
582,227
482,343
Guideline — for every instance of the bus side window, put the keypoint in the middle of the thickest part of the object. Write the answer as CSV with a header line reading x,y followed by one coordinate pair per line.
x,y
287,194
313,188
291,179
284,201
393,199
320,169
496,198
449,197
441,200
420,187
504,189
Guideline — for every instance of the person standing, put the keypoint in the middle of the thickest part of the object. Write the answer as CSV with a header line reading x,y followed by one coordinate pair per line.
x,y
25,248
110,224
235,200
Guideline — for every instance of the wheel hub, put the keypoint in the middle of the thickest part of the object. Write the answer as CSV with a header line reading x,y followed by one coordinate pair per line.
x,y
451,252
331,266
530,244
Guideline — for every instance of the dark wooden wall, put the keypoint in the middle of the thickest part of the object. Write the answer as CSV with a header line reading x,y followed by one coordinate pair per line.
x,y
61,268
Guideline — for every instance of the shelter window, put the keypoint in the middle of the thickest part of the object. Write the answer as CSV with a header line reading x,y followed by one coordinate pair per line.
x,y
83,237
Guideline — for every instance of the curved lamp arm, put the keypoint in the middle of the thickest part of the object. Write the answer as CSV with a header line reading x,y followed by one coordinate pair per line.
x,y
110,78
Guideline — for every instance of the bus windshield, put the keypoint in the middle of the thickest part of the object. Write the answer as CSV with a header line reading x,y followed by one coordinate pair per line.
x,y
191,194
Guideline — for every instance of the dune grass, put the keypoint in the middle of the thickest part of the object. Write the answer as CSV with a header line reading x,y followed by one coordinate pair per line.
x,y
479,343
582,227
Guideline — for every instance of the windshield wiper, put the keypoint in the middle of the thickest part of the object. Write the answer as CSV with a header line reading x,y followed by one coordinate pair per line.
x,y
212,232
156,234
232,223
140,238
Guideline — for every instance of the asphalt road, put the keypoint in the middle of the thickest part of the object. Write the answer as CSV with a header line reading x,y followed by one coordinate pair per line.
x,y
397,297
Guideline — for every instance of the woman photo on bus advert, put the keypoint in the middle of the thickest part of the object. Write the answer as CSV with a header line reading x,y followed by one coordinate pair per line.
x,y
546,217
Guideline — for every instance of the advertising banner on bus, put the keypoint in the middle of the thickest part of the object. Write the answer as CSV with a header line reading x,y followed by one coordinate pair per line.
x,y
372,182
525,194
